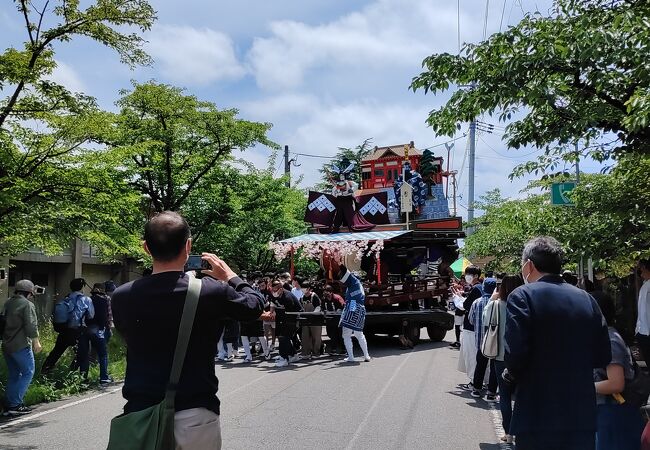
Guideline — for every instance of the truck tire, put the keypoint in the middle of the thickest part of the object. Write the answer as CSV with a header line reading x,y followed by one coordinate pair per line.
x,y
436,334
413,331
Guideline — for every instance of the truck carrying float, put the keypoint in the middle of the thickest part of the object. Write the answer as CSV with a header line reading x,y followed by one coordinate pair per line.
x,y
396,234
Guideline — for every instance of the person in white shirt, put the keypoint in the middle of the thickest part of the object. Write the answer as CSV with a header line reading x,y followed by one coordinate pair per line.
x,y
643,320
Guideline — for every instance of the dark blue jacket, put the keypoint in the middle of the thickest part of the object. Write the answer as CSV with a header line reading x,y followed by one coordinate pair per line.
x,y
555,337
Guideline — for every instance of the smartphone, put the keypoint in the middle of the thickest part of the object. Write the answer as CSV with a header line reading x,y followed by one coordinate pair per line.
x,y
39,290
194,262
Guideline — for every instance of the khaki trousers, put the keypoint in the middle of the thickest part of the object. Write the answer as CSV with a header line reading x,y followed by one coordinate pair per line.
x,y
197,429
311,340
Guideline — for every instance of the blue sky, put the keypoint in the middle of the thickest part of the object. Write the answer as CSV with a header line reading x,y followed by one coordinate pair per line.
x,y
326,73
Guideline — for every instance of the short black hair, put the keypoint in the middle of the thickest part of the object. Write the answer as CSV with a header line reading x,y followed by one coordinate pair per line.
x,y
166,234
570,277
607,306
77,284
645,263
473,270
546,253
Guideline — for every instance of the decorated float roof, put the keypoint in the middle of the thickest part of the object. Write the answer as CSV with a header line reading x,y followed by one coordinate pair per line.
x,y
346,237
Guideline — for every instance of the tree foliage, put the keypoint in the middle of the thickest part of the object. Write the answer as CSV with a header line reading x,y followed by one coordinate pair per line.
x,y
251,209
343,157
170,144
50,189
609,221
579,74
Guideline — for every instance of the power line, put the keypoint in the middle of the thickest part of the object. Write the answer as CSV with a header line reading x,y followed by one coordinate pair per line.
x,y
513,158
458,25
485,21
313,156
503,12
449,141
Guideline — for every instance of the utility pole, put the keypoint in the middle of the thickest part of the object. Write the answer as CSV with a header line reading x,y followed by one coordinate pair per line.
x,y
472,161
287,166
581,264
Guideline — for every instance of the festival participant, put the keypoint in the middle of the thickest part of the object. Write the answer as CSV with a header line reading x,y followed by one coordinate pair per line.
x,y
284,302
311,335
333,302
354,314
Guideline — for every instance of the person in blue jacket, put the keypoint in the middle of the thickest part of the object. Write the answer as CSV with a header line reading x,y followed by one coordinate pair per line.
x,y
555,336
353,316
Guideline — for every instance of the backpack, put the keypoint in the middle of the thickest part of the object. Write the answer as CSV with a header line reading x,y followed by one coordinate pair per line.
x,y
68,313
637,390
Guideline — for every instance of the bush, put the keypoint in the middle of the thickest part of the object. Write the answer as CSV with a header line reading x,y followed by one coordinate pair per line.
x,y
61,381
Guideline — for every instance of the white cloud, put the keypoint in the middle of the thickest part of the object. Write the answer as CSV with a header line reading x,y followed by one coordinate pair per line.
x,y
65,75
387,34
193,56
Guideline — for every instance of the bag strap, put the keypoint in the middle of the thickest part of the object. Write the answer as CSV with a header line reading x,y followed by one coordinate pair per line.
x,y
184,333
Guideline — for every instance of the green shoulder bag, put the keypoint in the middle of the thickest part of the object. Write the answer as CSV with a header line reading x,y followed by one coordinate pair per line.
x,y
153,428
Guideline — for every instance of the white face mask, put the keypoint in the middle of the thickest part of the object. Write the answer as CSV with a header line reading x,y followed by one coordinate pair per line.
x,y
469,279
525,277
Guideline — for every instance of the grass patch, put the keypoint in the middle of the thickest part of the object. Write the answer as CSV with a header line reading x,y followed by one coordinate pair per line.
x,y
62,382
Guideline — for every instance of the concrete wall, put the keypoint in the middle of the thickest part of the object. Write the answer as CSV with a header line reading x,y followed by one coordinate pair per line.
x,y
55,273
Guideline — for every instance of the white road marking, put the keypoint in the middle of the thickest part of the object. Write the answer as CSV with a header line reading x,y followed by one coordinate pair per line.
x,y
495,414
58,408
374,405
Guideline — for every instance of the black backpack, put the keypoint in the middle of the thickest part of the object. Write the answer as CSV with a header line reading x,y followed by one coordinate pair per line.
x,y
637,390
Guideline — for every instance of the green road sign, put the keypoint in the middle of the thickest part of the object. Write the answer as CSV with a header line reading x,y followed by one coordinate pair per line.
x,y
560,191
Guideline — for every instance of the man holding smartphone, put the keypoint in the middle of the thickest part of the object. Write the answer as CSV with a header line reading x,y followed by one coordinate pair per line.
x,y
19,343
147,313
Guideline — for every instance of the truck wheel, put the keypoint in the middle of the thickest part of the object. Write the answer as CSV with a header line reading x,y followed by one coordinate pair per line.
x,y
436,334
413,333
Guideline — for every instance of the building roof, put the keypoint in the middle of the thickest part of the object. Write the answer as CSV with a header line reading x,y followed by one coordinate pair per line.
x,y
398,150
346,237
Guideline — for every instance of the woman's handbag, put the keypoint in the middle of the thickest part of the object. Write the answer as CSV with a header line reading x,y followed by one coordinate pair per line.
x,y
153,428
490,345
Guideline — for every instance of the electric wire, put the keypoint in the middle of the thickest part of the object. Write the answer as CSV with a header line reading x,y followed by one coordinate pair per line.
x,y
485,20
503,13
512,158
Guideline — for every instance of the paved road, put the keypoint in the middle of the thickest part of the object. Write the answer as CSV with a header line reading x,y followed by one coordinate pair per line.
x,y
400,400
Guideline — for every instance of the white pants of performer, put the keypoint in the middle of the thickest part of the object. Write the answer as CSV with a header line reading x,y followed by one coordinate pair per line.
x,y
347,340
247,346
225,354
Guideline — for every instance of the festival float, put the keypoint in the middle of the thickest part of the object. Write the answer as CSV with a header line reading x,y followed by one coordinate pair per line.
x,y
395,231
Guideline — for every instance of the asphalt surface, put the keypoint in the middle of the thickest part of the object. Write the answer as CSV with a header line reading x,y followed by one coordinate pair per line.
x,y
402,399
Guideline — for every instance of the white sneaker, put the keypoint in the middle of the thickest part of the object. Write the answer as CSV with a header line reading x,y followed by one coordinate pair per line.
x,y
281,363
294,358
349,360
367,359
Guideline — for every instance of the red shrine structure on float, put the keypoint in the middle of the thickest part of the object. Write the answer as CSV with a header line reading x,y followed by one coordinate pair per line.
x,y
382,168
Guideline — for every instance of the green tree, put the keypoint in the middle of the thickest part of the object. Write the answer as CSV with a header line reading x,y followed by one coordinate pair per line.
x,y
50,190
253,208
609,221
578,74
23,73
427,168
171,144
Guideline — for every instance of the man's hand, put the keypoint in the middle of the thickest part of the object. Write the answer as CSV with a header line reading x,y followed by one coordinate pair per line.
x,y
36,346
220,269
